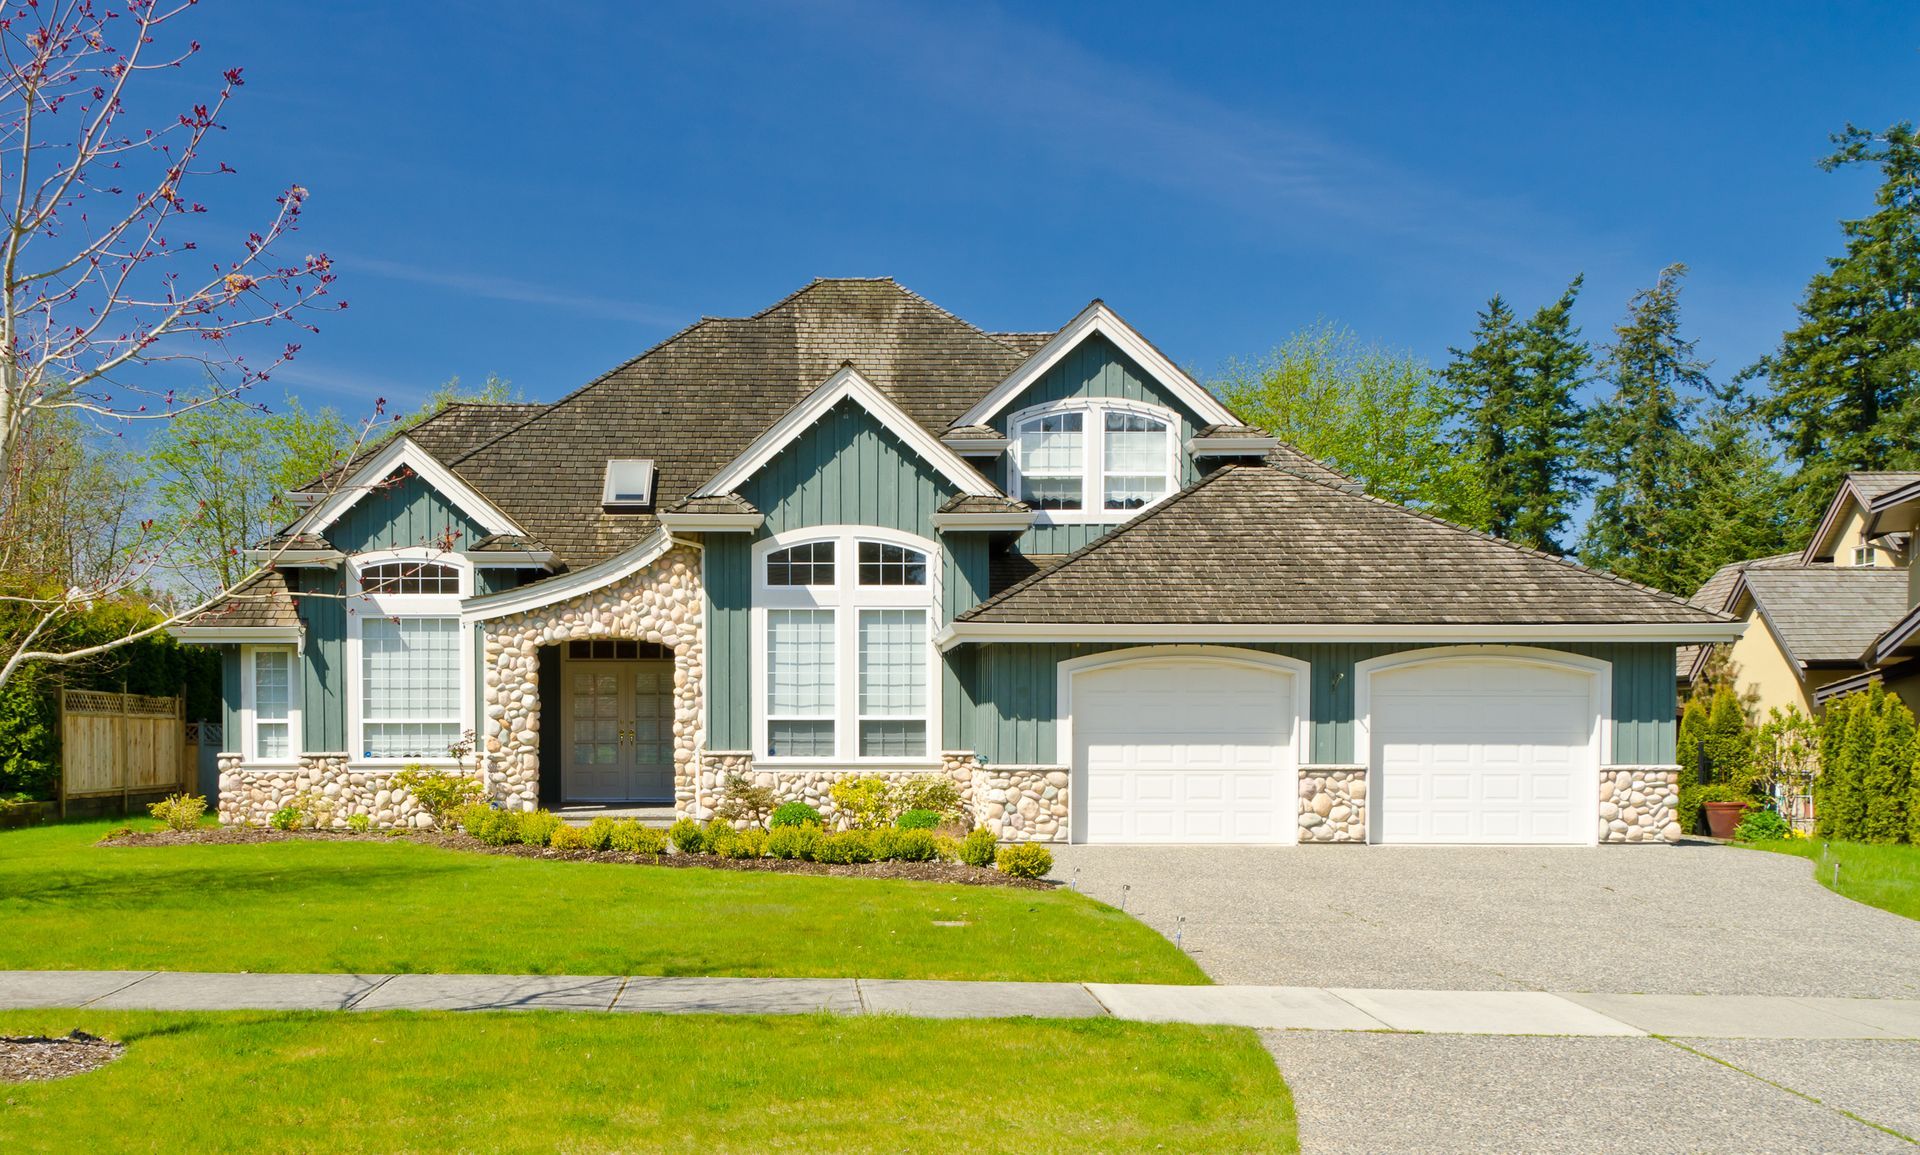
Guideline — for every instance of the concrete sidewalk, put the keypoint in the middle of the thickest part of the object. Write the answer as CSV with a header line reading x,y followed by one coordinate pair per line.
x,y
1263,1007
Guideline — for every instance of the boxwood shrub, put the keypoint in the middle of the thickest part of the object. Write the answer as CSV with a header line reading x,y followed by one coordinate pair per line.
x,y
848,847
979,847
629,837
917,819
794,842
688,837
537,826
795,814
1025,860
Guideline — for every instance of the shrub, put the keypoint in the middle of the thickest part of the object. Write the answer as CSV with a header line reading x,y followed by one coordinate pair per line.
x,y
918,818
687,837
744,801
979,847
794,842
935,792
179,811
946,848
795,814
493,827
1025,860
1888,774
566,837
537,826
630,837
847,847
1762,826
864,801
749,843
359,823
440,795
903,846
287,818
600,833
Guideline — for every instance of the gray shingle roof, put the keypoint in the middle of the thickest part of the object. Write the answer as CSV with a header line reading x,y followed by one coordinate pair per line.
x,y
983,503
449,433
1257,545
1713,594
261,601
696,400
1877,483
1824,613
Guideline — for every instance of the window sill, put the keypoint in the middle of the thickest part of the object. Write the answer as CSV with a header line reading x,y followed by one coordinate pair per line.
x,y
845,765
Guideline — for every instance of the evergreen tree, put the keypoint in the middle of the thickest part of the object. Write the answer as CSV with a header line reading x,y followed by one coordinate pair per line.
x,y
1888,774
1638,443
1845,381
1487,382
1734,501
1554,362
1856,756
1830,788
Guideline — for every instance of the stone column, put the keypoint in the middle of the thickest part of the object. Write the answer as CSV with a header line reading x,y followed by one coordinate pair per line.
x,y
1333,804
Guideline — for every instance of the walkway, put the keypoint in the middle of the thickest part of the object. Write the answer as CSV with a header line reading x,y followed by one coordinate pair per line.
x,y
1263,1007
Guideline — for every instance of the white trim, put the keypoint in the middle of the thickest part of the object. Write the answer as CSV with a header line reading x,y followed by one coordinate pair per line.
x,y
977,446
229,635
1230,446
1097,318
1297,741
295,558
510,558
249,736
403,451
569,585
1093,458
983,632
842,385
1600,697
846,598
712,522
361,606
983,521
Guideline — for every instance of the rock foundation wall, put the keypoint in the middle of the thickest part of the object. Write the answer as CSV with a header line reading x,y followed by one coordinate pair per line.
x,y
1639,804
1333,804
323,785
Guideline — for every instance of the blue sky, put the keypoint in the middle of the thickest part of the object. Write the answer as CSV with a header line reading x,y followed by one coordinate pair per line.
x,y
544,190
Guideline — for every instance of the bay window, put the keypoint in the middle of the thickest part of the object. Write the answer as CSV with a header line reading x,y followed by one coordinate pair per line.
x,y
844,641
1096,459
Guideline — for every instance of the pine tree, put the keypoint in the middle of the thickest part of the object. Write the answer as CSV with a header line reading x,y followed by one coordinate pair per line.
x,y
1830,788
1729,742
1845,381
1733,501
1548,425
1487,382
1856,755
1638,441
1888,774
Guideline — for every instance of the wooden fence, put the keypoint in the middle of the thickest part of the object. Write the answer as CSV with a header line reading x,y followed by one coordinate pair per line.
x,y
119,745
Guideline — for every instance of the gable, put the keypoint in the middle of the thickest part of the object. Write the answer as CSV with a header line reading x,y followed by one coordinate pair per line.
x,y
403,511
847,468
1098,368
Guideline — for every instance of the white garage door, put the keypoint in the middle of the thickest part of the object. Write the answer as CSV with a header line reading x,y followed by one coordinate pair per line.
x,y
1479,750
1183,751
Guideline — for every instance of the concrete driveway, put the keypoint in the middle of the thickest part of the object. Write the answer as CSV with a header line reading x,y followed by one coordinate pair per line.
x,y
1692,919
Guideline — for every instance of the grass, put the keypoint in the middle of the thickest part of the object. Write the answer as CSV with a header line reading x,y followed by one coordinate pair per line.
x,y
379,907
1884,876
692,1083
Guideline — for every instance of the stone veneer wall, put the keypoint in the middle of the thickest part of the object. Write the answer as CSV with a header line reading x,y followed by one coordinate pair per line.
x,y
661,603
1021,803
332,790
1333,804
1017,803
789,785
1639,803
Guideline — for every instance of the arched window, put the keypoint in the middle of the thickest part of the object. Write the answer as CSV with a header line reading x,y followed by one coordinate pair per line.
x,y
1097,459
409,577
845,660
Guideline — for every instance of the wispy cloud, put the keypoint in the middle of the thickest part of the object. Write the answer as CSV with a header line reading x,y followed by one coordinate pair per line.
x,y
512,289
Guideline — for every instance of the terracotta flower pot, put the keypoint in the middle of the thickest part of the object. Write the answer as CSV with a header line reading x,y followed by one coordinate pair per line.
x,y
1722,817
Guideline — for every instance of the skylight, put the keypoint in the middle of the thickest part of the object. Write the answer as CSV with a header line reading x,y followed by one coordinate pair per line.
x,y
629,483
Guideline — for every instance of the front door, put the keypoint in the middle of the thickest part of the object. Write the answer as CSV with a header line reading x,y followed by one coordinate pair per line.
x,y
619,731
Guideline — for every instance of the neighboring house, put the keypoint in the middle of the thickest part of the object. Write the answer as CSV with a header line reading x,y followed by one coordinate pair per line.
x,y
1837,616
854,534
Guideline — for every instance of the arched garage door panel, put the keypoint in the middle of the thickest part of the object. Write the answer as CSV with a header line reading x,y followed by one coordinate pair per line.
x,y
1481,750
1184,751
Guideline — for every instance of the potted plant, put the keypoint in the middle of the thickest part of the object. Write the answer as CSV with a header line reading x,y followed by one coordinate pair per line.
x,y
1724,807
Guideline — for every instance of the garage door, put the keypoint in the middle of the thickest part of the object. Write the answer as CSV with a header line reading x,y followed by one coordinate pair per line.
x,y
1184,751
1481,750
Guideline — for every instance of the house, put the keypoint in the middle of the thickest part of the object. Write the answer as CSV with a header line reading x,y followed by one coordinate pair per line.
x,y
853,533
1837,616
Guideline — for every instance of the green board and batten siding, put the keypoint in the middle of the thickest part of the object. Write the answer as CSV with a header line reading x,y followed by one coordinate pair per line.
x,y
847,469
1015,688
406,512
1095,368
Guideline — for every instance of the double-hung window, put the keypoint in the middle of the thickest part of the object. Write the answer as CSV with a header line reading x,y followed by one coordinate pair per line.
x,y
845,653
409,695
270,694
1093,459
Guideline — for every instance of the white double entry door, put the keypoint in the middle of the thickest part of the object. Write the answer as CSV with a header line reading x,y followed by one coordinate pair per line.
x,y
618,731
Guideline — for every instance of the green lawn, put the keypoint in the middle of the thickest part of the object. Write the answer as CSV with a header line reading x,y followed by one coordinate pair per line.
x,y
376,907
1884,876
694,1083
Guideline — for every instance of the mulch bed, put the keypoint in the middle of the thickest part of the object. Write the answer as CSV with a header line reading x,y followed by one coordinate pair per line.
x,y
911,871
33,1058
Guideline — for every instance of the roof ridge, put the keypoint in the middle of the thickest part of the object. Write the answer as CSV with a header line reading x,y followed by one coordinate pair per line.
x,y
1108,537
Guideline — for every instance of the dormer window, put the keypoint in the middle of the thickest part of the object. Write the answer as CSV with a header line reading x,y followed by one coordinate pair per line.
x,y
629,484
1092,460
1865,556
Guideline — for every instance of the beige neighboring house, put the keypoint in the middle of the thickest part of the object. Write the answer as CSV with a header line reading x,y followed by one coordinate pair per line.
x,y
1838,616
